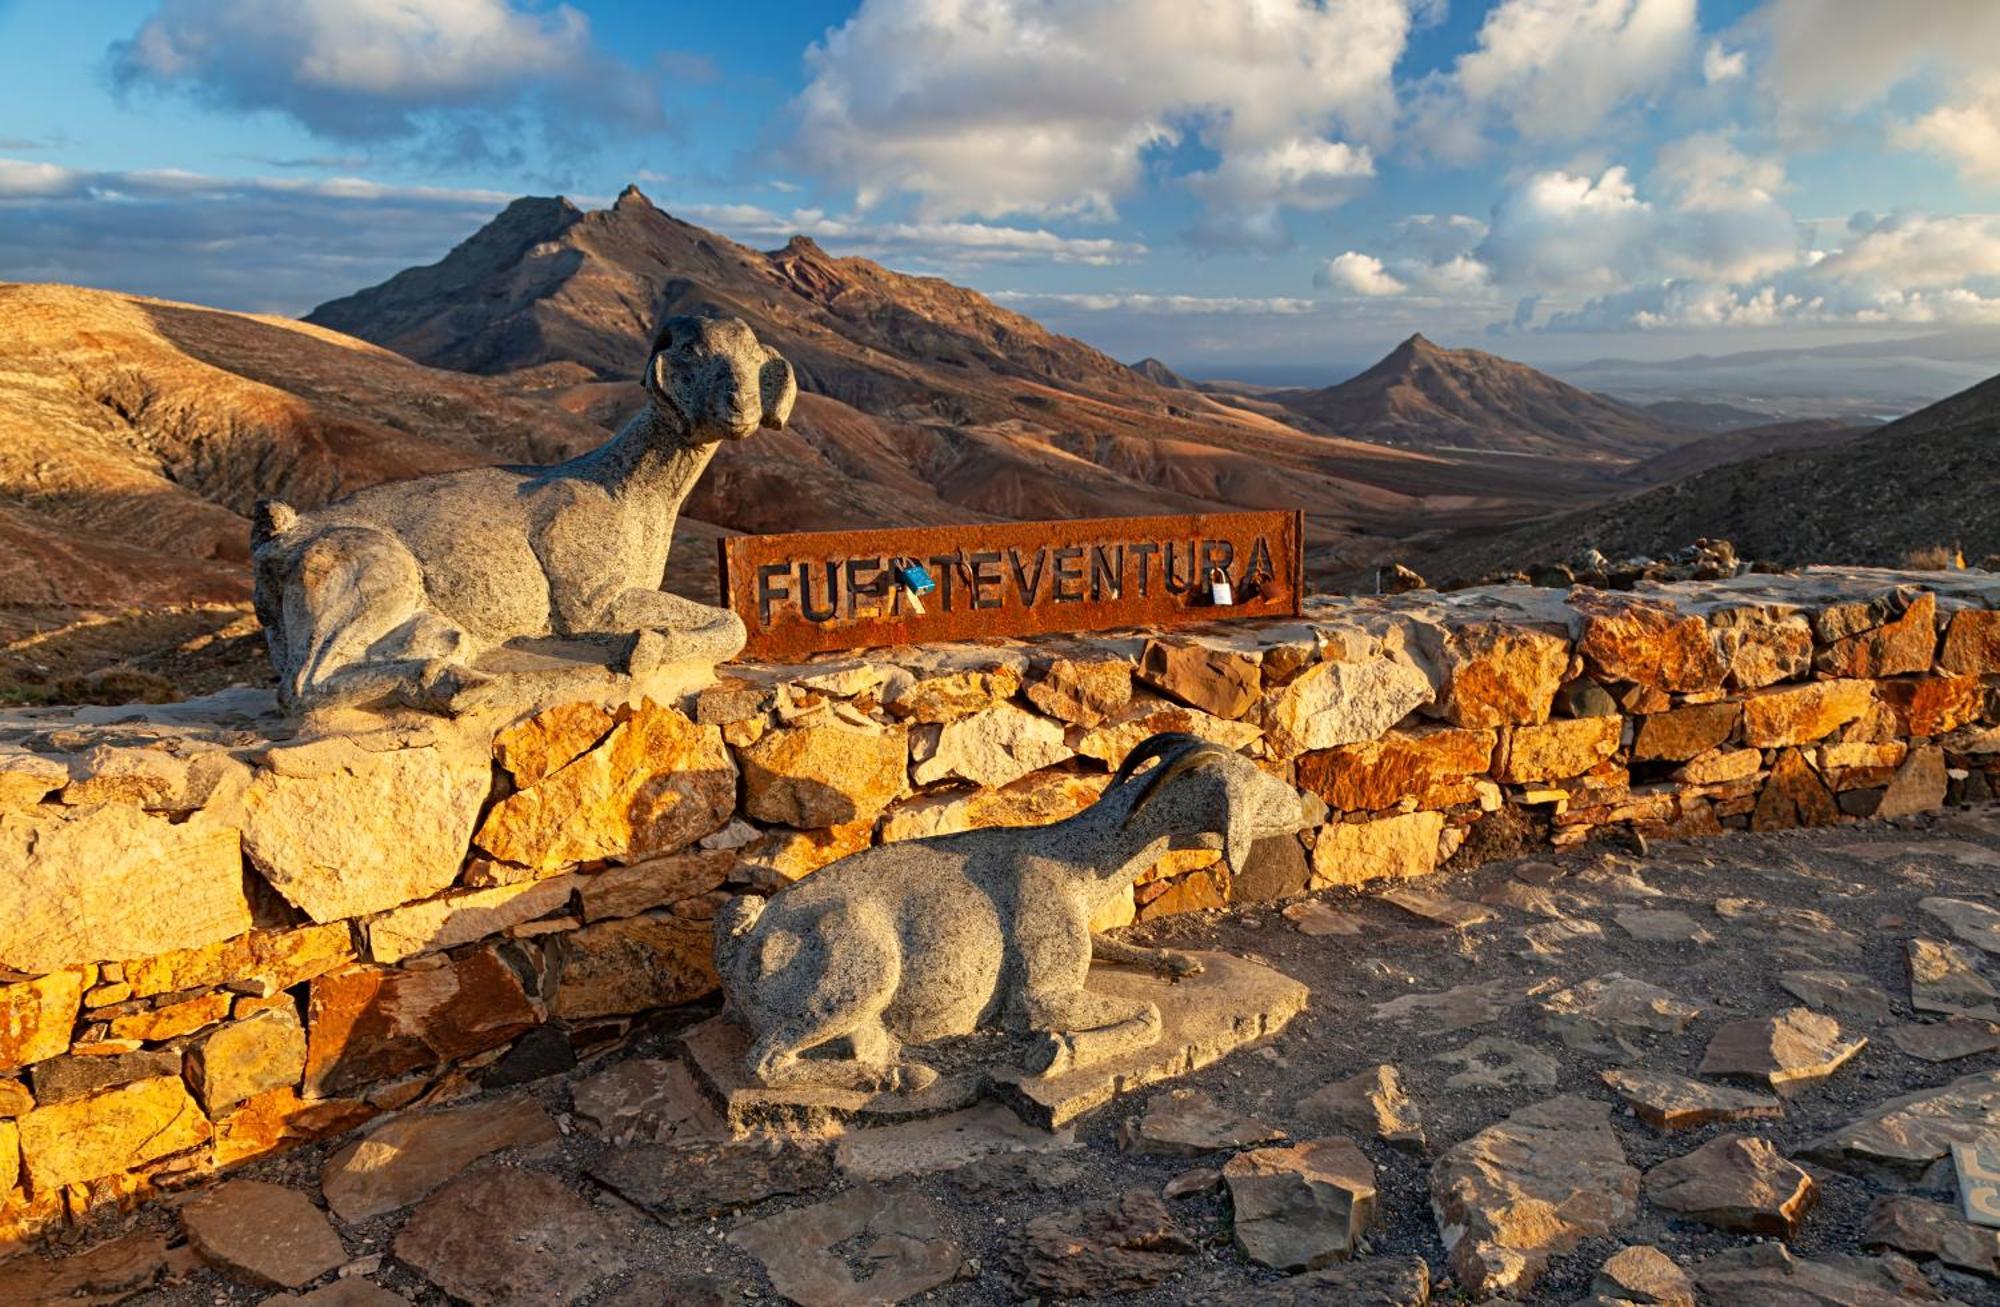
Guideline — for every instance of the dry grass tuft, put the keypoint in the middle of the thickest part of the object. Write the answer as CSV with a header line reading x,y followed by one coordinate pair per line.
x,y
1935,558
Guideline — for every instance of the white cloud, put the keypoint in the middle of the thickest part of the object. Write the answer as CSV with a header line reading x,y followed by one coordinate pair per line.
x,y
1906,268
265,244
1358,274
987,108
385,70
1555,69
1966,132
1720,65
943,242
1559,230
1148,302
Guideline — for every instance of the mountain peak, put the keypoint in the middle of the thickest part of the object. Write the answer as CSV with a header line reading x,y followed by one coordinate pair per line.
x,y
1417,346
803,247
631,198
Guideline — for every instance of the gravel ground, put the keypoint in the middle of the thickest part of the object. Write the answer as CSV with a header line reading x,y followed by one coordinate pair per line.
x,y
1868,905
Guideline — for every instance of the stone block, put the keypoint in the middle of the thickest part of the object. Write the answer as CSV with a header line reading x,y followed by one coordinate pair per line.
x,y
1433,767
278,1119
174,1019
1081,691
1971,643
70,880
464,916
656,784
245,1058
38,1016
1646,643
345,826
632,965
1804,713
1224,682
367,1024
654,883
1495,674
109,1133
1932,705
551,740
990,748
262,960
1905,642
1142,718
1558,749
1335,703
824,773
1681,733
1391,848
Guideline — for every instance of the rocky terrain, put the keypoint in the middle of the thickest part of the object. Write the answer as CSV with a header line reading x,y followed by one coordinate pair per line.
x,y
1923,481
1713,1074
1428,397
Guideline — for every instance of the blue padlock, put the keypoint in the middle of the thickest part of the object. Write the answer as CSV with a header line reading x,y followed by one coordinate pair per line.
x,y
915,582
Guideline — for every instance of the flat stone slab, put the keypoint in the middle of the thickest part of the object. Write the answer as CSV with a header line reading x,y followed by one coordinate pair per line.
x,y
1673,1102
1735,1182
1787,1052
1842,993
409,1157
263,1234
1203,1018
1438,909
1974,923
1898,1141
504,1238
809,1252
674,1182
1188,1123
1918,1227
942,1143
646,1101
1947,1040
1298,1208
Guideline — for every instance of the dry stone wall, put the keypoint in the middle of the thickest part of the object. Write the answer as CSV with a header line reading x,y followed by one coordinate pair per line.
x,y
219,940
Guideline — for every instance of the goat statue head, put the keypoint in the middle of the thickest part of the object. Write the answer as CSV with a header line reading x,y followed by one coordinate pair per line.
x,y
713,379
1199,791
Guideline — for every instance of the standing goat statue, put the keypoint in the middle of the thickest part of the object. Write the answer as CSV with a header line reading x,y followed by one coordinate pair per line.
x,y
388,596
916,941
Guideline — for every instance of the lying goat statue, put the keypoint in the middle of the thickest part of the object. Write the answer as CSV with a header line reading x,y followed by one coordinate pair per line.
x,y
988,929
388,596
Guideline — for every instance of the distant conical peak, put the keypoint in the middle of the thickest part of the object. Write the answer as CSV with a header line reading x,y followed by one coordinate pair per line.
x,y
805,247
632,198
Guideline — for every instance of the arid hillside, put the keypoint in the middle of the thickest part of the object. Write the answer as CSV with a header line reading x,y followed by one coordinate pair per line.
x,y
1453,399
136,435
1925,480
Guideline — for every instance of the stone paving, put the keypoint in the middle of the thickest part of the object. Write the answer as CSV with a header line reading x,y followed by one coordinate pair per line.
x,y
1731,1071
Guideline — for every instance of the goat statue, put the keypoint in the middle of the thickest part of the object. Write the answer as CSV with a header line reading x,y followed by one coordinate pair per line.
x,y
920,940
388,595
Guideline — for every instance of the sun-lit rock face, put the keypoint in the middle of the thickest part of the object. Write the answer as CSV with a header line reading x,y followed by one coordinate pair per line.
x,y
281,936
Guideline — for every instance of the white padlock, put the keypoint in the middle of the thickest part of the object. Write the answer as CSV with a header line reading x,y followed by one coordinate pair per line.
x,y
1219,592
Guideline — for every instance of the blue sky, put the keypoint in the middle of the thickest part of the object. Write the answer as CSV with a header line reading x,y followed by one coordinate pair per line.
x,y
1230,186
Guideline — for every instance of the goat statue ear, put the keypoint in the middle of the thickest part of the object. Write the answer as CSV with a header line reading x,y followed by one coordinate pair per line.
x,y
779,388
659,381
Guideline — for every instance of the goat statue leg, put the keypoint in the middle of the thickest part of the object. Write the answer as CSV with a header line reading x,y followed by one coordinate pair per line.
x,y
1169,963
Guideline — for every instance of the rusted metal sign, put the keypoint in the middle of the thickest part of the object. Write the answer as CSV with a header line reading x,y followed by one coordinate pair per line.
x,y
819,590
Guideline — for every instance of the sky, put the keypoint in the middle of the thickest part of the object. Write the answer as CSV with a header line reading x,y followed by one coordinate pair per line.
x,y
1235,186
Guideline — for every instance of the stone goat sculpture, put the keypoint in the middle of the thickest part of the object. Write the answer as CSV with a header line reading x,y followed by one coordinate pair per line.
x,y
928,938
388,595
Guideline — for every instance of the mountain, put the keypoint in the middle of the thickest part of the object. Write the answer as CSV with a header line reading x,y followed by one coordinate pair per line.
x,y
1161,375
1738,443
1449,399
1856,381
1923,480
924,401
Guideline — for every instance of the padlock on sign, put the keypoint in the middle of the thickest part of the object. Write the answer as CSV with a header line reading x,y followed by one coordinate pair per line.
x,y
1219,592
914,581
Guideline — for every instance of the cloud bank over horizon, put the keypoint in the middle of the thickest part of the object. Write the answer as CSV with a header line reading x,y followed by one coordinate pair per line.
x,y
1295,172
